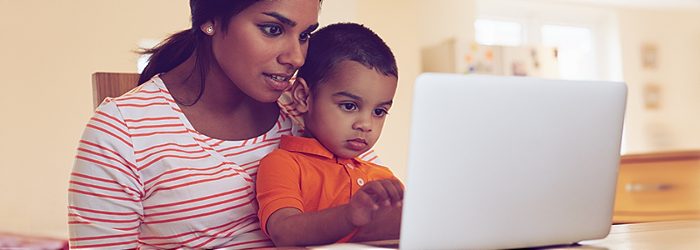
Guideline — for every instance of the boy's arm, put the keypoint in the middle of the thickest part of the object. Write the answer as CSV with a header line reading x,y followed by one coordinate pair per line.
x,y
291,227
385,226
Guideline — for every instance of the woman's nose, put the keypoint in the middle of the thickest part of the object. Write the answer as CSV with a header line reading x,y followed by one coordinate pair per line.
x,y
293,56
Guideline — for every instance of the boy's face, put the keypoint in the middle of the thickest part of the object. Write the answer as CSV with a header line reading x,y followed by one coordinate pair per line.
x,y
346,112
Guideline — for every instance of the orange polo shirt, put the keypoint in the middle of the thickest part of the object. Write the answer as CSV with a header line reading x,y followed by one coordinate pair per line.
x,y
303,174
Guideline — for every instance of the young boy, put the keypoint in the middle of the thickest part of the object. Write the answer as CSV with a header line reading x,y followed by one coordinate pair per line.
x,y
314,189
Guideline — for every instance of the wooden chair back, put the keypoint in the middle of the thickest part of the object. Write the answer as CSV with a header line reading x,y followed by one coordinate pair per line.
x,y
110,84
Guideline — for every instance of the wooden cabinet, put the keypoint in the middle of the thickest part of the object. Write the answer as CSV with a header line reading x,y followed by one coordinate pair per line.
x,y
658,186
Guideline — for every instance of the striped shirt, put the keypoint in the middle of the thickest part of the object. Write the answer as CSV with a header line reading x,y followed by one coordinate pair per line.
x,y
145,178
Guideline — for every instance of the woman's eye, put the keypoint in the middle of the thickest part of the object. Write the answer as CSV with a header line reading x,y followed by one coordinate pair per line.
x,y
304,36
348,106
380,112
271,30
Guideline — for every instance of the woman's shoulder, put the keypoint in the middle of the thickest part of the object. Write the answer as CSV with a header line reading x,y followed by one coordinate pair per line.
x,y
151,90
145,98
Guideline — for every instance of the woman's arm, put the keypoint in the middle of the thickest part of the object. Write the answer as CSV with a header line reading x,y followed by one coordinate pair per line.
x,y
105,191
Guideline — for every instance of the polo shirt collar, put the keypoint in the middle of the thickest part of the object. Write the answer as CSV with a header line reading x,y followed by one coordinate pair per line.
x,y
311,146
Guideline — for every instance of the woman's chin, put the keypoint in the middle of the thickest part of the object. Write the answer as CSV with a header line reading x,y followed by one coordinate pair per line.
x,y
267,97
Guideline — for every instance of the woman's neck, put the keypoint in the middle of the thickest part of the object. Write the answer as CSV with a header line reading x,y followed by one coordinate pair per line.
x,y
222,111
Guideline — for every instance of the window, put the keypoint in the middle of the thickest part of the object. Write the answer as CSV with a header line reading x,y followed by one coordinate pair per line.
x,y
495,32
585,37
576,59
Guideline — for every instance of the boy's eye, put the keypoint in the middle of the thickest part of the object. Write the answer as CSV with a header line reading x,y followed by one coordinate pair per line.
x,y
380,112
271,29
348,106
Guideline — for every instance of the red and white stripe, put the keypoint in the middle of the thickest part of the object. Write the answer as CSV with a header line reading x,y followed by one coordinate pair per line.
x,y
145,178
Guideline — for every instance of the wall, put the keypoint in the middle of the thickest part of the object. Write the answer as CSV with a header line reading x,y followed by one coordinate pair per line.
x,y
337,11
675,124
441,20
48,51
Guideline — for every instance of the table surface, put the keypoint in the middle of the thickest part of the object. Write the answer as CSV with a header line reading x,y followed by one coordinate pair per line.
x,y
677,235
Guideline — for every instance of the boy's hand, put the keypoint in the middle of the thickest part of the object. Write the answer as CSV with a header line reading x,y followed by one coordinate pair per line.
x,y
371,197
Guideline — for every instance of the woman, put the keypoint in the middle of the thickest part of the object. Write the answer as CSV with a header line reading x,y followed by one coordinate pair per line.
x,y
172,163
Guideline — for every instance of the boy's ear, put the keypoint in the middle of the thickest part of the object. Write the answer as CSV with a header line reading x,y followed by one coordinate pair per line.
x,y
300,94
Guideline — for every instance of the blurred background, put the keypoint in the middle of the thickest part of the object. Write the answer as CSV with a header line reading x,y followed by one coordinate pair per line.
x,y
50,48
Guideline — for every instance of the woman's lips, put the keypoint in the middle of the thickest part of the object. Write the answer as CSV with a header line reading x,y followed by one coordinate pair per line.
x,y
277,82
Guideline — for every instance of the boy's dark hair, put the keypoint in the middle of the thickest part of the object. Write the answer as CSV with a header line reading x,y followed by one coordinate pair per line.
x,y
345,41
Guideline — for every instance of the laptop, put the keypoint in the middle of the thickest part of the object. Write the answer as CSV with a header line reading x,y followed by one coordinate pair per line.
x,y
510,162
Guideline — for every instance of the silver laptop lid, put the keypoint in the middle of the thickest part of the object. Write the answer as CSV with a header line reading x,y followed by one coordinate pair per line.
x,y
506,162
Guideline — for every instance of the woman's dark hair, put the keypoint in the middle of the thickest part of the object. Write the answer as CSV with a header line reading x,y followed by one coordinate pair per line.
x,y
178,47
345,41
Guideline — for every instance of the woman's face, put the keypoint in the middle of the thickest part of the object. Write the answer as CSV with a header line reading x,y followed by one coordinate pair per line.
x,y
265,44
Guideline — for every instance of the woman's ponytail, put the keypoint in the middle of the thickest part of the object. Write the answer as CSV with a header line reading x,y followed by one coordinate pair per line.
x,y
179,47
168,54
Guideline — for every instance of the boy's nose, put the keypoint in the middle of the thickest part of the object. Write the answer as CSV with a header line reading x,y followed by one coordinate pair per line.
x,y
364,125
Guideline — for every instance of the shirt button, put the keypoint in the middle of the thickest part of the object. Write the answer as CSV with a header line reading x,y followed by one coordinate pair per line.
x,y
360,181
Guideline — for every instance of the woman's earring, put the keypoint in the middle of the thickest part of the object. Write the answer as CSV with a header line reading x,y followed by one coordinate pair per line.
x,y
209,30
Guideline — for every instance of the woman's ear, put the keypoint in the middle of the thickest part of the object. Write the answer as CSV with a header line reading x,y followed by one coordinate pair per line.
x,y
301,95
208,28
